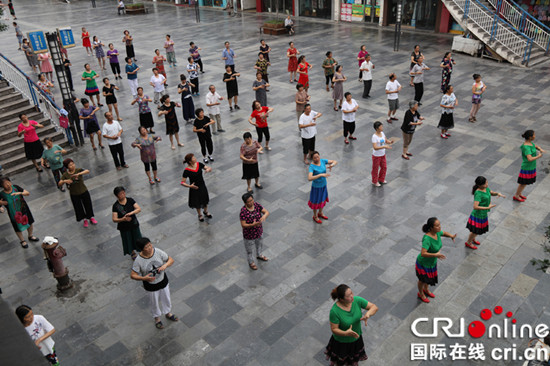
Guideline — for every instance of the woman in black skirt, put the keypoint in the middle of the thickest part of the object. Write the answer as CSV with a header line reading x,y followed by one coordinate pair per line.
x,y
198,193
230,80
110,98
33,146
168,109
184,88
249,155
346,345
145,116
448,104
128,40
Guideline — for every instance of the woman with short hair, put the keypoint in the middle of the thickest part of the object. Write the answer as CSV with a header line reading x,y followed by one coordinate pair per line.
x,y
80,196
198,193
252,216
530,153
33,147
124,211
145,115
89,77
249,155
53,156
146,145
318,197
13,198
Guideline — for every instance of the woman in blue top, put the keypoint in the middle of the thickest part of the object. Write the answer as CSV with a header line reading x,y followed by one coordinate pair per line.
x,y
318,196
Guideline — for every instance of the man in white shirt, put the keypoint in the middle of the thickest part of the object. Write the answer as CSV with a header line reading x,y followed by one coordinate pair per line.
x,y
112,130
289,25
120,7
308,130
213,107
157,82
392,91
366,68
349,107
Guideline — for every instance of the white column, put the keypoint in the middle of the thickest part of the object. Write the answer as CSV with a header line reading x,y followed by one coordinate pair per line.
x,y
381,18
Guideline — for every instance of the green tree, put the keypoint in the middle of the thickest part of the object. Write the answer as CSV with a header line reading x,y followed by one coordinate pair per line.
x,y
3,26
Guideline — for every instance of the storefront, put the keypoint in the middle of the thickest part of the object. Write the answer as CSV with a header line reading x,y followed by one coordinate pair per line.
x,y
315,8
282,6
420,14
212,3
360,11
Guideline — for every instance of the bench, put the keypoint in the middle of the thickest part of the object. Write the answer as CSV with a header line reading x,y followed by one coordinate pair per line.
x,y
143,10
275,31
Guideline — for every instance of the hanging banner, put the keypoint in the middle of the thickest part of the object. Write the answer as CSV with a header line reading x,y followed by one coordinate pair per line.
x,y
66,36
37,39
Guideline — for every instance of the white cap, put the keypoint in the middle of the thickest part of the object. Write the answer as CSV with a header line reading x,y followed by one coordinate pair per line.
x,y
50,240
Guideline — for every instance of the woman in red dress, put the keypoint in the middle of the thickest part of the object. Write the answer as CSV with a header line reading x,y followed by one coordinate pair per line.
x,y
86,41
303,69
158,60
292,54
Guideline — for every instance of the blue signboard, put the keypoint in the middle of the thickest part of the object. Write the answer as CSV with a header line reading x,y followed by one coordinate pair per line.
x,y
66,36
37,40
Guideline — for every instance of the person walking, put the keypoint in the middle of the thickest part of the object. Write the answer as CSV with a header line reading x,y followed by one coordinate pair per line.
x,y
92,89
32,58
192,70
12,197
45,65
448,104
99,52
426,261
410,121
128,40
110,98
328,66
260,114
91,125
158,61
349,108
213,101
346,346
170,53
478,88
53,157
447,69
80,196
338,91
366,68
124,214
40,330
150,268
261,66
18,34
530,153
478,222
112,55
187,104
392,91
230,80
265,50
379,145
158,82
132,75
252,216
308,130
303,70
228,55
361,58
260,87
415,54
292,55
318,197
85,36
145,115
201,127
249,155
301,98
168,109
112,131
146,145
194,51
418,72
33,146
198,193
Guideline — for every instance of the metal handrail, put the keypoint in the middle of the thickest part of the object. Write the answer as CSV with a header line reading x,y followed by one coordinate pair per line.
x,y
27,87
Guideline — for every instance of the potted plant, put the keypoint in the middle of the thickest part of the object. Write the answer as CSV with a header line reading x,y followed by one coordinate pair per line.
x,y
274,26
136,8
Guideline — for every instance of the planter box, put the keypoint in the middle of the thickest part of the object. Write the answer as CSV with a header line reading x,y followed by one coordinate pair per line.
x,y
274,29
140,10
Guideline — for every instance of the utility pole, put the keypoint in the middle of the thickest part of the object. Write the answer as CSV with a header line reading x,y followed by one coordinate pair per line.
x,y
397,35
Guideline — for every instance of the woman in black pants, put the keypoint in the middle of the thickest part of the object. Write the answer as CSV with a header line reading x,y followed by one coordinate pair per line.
x,y
80,196
260,114
201,127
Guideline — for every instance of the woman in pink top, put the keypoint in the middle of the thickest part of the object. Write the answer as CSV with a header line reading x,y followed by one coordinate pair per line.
x,y
33,146
45,65
361,57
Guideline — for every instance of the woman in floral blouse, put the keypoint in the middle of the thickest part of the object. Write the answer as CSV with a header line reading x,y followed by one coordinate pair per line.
x,y
252,217
145,116
146,144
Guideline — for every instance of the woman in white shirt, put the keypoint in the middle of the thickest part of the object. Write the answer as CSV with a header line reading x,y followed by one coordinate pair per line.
x,y
40,331
349,107
157,82
379,145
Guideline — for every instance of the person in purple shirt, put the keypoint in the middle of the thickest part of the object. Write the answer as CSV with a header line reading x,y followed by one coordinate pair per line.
x,y
194,51
112,55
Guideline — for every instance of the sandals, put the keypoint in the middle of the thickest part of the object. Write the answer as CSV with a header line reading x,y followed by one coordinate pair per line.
x,y
249,190
317,220
159,325
24,244
207,214
201,218
39,170
157,180
253,266
263,258
259,186
471,246
324,217
428,293
172,317
405,157
151,182
33,238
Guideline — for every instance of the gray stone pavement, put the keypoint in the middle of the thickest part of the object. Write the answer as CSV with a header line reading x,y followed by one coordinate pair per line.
x,y
278,315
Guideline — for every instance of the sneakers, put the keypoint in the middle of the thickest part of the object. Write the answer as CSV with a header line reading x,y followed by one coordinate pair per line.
x,y
205,160
230,109
237,107
86,223
210,158
394,119
377,184
221,130
93,221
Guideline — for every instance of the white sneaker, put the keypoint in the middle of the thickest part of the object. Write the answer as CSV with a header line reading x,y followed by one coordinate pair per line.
x,y
377,184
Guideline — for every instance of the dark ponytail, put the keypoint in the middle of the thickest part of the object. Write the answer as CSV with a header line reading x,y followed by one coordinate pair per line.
x,y
528,134
428,226
339,292
475,76
479,182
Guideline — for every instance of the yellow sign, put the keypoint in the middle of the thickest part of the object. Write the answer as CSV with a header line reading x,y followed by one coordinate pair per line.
x,y
377,12
367,11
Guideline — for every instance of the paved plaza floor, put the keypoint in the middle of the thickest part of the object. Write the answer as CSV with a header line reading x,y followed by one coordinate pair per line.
x,y
278,315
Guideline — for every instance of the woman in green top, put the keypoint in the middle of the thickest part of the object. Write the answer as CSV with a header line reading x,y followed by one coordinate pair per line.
x,y
89,77
528,172
12,196
53,156
426,262
346,345
328,65
478,223
80,197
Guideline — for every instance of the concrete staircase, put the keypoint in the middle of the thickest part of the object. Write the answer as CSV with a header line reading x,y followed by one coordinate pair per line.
x,y
507,42
12,152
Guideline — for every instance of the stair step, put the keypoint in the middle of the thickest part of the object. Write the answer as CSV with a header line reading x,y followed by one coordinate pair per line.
x,y
5,90
18,157
22,164
10,97
12,142
13,110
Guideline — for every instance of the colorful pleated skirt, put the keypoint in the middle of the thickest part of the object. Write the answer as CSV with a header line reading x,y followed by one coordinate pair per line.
x,y
527,176
345,354
92,91
318,197
426,274
477,225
